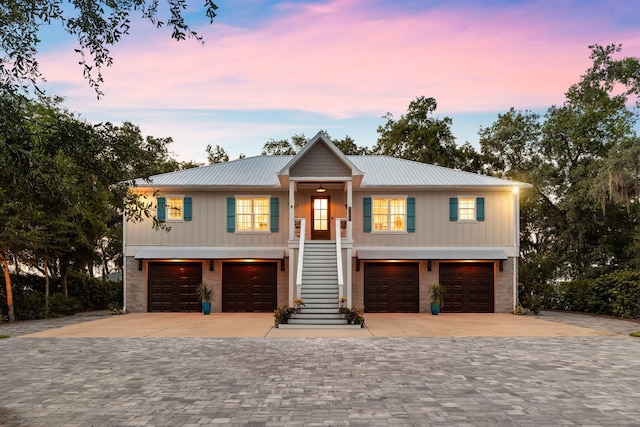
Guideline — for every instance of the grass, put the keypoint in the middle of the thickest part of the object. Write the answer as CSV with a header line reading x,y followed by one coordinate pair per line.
x,y
635,334
4,336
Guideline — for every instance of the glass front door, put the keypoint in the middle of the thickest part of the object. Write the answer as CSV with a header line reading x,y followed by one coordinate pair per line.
x,y
320,219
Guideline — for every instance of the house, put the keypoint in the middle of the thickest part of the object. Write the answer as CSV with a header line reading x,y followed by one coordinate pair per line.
x,y
377,230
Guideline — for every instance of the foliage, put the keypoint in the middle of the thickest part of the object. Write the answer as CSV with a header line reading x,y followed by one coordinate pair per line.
x,y
354,316
418,136
216,155
60,306
204,293
635,334
85,294
281,315
436,293
616,293
286,147
97,25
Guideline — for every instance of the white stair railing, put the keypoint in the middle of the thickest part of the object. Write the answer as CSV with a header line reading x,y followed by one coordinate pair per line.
x,y
339,221
300,259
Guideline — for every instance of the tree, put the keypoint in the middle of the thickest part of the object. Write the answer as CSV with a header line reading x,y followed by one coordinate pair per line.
x,y
216,155
286,147
280,147
98,25
64,183
418,136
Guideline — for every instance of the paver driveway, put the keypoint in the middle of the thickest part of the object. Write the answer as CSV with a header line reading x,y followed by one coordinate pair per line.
x,y
490,380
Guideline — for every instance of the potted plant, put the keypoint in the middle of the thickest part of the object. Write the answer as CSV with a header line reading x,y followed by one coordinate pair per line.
x,y
354,316
282,314
343,308
204,293
299,302
437,298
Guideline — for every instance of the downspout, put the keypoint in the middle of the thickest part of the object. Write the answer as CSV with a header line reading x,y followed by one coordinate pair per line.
x,y
516,243
124,257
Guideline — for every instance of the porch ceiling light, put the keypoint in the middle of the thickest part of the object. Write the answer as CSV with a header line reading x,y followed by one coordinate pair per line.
x,y
320,189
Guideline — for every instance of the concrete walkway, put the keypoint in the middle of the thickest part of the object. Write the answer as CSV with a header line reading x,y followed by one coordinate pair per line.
x,y
554,369
256,325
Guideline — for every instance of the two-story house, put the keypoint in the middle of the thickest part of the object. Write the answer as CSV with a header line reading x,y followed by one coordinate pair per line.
x,y
320,225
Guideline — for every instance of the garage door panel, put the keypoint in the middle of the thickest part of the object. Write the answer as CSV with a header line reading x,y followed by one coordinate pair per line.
x,y
391,288
249,287
173,286
468,287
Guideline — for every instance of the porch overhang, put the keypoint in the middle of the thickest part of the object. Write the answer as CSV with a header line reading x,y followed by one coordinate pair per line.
x,y
430,254
208,252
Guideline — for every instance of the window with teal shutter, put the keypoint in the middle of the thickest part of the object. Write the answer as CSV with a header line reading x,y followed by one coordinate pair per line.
x,y
480,209
162,209
274,210
187,209
453,209
366,210
231,214
411,215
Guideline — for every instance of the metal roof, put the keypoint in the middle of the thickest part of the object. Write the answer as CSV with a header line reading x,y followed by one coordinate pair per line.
x,y
208,252
431,253
379,171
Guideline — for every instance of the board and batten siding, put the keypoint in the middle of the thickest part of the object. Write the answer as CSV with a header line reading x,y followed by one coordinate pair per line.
x,y
433,226
208,226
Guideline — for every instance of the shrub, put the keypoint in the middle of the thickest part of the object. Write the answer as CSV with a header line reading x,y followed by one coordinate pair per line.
x,y
60,306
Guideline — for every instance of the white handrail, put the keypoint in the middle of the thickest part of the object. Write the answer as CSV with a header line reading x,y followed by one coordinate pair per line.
x,y
300,258
339,259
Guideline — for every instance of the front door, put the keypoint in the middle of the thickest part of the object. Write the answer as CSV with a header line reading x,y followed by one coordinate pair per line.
x,y
320,229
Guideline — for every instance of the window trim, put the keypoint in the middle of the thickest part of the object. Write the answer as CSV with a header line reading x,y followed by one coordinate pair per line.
x,y
166,207
268,197
388,198
475,208
479,206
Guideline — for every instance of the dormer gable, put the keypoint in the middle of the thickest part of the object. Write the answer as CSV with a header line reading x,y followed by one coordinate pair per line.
x,y
320,158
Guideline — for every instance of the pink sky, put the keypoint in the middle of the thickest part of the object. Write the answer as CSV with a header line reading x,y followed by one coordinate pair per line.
x,y
342,60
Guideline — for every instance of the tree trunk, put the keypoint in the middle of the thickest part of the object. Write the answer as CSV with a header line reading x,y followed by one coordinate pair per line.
x,y
64,268
46,285
7,283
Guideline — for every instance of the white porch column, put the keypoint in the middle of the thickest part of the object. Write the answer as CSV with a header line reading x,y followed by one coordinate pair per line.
x,y
349,210
292,209
516,242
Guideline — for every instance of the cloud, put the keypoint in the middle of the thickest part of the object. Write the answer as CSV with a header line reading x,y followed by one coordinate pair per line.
x,y
347,59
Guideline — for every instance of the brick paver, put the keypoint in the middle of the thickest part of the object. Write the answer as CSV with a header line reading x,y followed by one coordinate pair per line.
x,y
483,381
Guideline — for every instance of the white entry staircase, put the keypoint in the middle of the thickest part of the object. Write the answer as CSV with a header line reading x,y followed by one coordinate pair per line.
x,y
319,289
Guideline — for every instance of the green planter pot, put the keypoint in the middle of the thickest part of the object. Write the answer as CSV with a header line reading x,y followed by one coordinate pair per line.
x,y
206,307
435,309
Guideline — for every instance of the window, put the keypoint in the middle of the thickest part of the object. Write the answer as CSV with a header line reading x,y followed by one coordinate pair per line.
x,y
252,213
466,208
389,214
174,208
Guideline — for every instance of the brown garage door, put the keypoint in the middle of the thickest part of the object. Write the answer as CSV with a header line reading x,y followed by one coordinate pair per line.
x,y
469,287
249,287
173,286
391,288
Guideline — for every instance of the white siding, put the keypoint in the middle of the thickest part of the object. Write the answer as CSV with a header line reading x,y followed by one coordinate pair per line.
x,y
433,227
209,225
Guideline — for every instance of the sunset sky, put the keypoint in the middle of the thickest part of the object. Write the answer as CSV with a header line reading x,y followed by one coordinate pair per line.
x,y
272,69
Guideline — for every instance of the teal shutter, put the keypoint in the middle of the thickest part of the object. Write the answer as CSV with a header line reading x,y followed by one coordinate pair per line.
x,y
162,209
366,211
453,209
231,215
411,215
187,208
480,209
274,208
